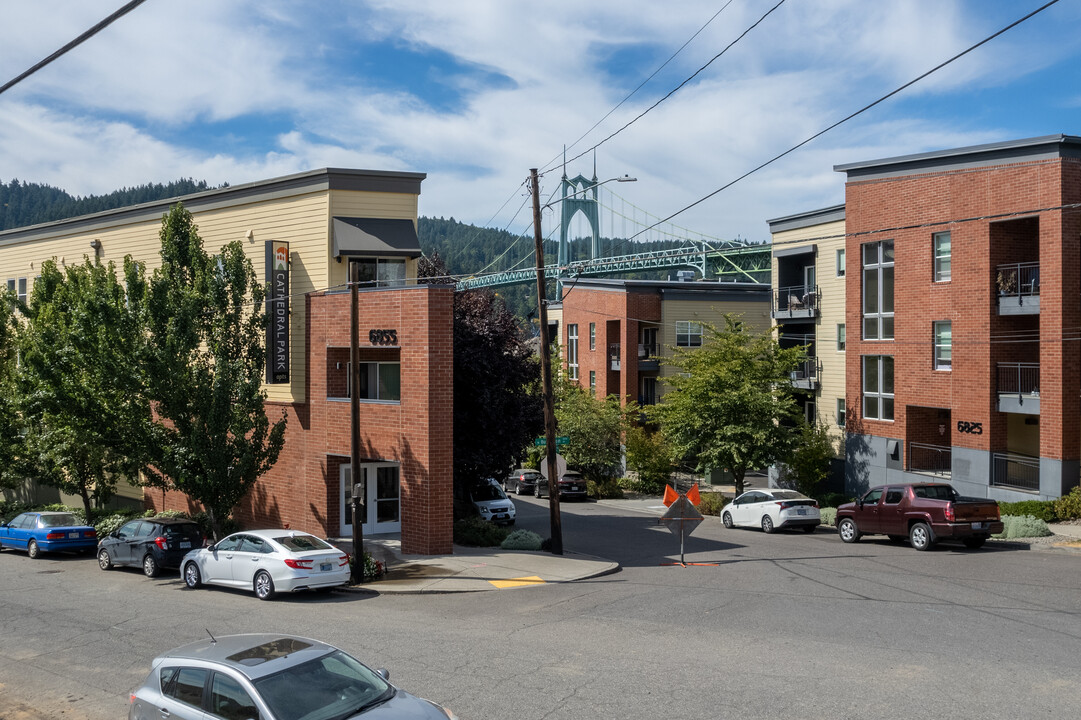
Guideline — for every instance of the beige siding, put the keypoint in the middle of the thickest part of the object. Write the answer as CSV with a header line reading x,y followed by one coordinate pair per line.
x,y
828,238
349,203
753,314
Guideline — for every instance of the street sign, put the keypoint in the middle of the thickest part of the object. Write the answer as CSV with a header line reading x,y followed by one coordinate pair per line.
x,y
561,441
682,517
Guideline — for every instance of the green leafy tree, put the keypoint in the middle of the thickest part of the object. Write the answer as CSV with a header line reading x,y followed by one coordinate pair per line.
x,y
650,455
80,381
12,445
729,404
808,465
594,429
206,363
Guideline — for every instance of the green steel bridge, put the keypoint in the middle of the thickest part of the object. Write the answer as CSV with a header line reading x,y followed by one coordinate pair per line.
x,y
710,257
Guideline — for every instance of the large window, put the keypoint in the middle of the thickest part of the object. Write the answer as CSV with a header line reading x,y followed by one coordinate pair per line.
x,y
572,350
943,345
878,387
18,287
593,336
942,256
381,381
878,290
380,272
688,333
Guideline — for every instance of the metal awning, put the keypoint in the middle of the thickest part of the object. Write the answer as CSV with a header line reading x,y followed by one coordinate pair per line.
x,y
374,237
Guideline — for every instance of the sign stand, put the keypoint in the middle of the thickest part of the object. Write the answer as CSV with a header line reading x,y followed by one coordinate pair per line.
x,y
682,517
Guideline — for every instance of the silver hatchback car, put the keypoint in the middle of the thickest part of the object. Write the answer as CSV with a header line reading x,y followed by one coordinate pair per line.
x,y
271,677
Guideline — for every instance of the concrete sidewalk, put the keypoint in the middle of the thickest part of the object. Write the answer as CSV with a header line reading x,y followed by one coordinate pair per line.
x,y
471,569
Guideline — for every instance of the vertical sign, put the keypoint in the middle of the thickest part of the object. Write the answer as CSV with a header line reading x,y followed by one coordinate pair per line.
x,y
277,326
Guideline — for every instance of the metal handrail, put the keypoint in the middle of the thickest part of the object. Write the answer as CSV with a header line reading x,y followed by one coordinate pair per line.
x,y
1020,472
1018,280
1019,379
925,458
796,297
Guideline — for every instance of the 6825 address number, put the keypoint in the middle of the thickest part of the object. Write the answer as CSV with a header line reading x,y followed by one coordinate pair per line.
x,y
970,428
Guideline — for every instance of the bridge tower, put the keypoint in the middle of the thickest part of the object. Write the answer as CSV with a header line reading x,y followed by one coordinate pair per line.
x,y
579,194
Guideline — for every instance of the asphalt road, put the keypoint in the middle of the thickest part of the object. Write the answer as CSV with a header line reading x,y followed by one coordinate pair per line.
x,y
784,625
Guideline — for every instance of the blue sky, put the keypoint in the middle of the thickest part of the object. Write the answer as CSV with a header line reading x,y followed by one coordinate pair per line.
x,y
476,92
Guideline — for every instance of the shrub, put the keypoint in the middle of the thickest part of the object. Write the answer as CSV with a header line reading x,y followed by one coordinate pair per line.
x,y
228,526
809,464
476,532
832,500
605,489
712,503
522,540
829,515
106,524
649,455
373,569
1022,526
638,485
9,509
1041,509
1068,507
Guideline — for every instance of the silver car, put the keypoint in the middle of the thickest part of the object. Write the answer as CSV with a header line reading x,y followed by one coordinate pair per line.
x,y
267,562
271,677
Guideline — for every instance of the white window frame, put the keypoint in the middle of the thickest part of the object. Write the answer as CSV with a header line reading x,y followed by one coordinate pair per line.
x,y
687,331
572,350
592,379
943,354
943,261
879,394
841,262
593,336
842,337
841,410
879,267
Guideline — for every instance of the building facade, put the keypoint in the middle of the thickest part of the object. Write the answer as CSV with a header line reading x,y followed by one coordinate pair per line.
x,y
330,219
613,334
963,289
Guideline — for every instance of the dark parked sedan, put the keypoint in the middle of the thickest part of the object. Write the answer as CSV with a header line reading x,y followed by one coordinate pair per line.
x,y
522,481
153,543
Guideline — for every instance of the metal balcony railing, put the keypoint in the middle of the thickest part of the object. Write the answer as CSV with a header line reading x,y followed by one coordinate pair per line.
x,y
647,350
1019,379
1018,280
1019,472
933,459
798,298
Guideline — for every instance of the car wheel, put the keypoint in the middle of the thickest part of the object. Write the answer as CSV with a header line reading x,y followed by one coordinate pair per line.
x,y
33,550
727,520
150,566
264,586
517,488
920,536
767,524
974,543
848,531
104,561
192,578
809,528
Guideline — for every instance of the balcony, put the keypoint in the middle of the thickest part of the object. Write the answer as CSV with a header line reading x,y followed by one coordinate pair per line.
x,y
647,357
613,356
934,460
1018,288
795,303
806,376
1019,388
1017,472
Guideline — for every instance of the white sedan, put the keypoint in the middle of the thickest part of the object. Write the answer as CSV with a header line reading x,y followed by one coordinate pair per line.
x,y
771,510
267,562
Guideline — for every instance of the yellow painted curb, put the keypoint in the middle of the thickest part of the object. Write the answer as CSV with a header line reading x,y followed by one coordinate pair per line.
x,y
517,582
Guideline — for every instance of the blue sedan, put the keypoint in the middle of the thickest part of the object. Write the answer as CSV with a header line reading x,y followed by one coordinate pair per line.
x,y
38,532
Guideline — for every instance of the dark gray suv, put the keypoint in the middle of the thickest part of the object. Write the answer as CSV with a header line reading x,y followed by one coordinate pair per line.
x,y
524,481
152,543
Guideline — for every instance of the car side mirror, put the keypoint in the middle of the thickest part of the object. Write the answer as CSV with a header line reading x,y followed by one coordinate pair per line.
x,y
211,548
859,503
383,673
114,534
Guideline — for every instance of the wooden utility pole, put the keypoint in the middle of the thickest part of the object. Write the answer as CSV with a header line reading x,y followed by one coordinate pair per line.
x,y
358,488
546,374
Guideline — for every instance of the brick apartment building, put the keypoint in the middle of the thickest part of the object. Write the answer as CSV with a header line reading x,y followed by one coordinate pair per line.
x,y
963,303
330,218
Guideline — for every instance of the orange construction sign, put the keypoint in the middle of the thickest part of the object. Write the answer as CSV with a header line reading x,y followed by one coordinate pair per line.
x,y
670,495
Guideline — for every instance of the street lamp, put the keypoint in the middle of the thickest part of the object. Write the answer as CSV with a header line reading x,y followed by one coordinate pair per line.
x,y
621,178
546,361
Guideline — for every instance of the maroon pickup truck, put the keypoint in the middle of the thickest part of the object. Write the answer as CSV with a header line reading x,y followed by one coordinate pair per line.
x,y
922,512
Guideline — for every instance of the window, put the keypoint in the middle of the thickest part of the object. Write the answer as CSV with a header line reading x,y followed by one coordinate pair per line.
x,y
11,285
840,412
943,345
593,336
381,381
572,351
18,286
380,272
184,684
942,256
893,496
878,290
592,379
841,263
840,337
688,334
229,701
872,497
22,289
878,387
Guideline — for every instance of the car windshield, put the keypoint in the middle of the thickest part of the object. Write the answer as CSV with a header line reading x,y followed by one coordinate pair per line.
x,y
488,492
935,492
327,688
60,520
302,543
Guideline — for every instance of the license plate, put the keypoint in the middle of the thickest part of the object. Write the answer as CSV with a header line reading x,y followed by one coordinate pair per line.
x,y
978,526
574,488
324,567
801,511
73,534
185,544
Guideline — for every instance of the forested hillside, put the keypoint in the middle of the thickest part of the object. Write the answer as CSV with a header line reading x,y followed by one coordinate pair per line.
x,y
466,249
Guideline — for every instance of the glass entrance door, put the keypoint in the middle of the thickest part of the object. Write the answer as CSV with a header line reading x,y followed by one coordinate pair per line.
x,y
382,482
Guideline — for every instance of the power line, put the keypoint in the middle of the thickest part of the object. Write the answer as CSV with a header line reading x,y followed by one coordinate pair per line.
x,y
74,43
862,110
